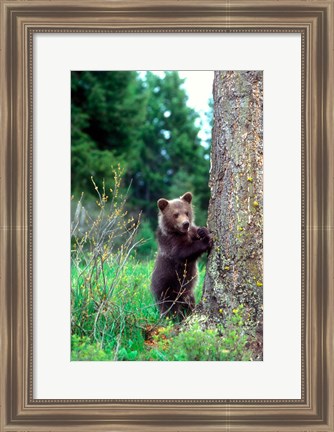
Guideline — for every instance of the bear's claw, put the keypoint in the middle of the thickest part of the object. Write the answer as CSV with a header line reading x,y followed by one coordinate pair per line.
x,y
203,232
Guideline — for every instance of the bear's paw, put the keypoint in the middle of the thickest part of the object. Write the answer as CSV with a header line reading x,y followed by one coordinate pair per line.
x,y
203,232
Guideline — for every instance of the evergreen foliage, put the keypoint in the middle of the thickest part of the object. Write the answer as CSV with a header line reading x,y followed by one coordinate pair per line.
x,y
142,121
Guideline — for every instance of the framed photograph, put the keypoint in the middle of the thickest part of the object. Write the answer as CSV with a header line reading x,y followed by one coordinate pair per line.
x,y
115,256
120,122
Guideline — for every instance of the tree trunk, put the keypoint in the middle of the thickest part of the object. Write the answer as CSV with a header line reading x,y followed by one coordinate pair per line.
x,y
235,265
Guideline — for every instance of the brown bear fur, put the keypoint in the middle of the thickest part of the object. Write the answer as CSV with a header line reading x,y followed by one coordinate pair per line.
x,y
180,245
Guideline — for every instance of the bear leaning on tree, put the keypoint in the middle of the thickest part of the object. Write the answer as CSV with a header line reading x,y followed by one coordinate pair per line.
x,y
180,245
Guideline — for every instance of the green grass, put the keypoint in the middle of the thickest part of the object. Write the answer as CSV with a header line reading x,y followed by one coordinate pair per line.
x,y
122,319
125,324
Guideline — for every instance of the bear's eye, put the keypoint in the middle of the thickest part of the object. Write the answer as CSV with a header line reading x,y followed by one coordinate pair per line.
x,y
176,215
187,213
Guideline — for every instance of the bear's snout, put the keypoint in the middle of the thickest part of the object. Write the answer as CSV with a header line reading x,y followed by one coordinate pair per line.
x,y
185,225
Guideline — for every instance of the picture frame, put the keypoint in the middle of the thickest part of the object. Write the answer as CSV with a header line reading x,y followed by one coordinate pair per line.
x,y
20,21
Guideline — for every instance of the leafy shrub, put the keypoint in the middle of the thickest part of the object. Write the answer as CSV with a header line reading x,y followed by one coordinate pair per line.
x,y
193,343
82,349
196,344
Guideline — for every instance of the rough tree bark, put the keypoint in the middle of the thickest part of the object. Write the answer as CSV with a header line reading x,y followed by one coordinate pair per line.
x,y
235,265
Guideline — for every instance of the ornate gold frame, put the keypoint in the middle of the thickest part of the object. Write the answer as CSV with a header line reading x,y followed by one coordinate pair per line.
x,y
314,21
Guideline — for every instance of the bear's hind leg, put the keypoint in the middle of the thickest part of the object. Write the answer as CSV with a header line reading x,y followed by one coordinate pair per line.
x,y
167,303
186,305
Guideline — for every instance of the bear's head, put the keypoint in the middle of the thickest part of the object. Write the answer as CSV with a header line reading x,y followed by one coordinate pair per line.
x,y
176,215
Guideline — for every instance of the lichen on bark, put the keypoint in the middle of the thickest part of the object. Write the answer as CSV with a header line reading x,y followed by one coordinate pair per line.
x,y
235,265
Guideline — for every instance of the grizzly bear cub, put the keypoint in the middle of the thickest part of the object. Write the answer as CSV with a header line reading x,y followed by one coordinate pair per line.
x,y
180,245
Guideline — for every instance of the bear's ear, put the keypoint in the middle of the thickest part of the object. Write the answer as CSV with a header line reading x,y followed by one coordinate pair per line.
x,y
187,197
162,204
